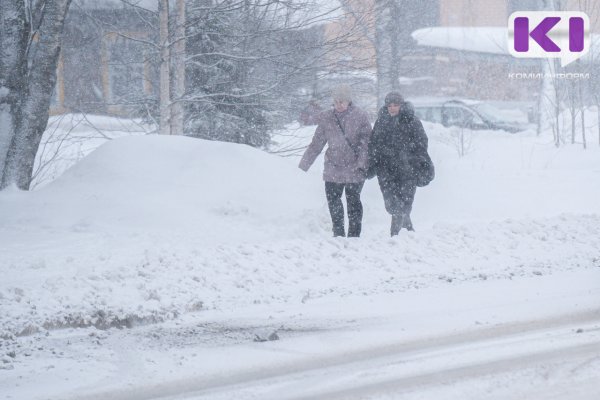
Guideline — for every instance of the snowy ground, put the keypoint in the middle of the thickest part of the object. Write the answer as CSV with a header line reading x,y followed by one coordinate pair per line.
x,y
157,265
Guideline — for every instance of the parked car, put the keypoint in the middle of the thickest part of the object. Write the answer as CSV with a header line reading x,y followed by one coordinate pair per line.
x,y
472,114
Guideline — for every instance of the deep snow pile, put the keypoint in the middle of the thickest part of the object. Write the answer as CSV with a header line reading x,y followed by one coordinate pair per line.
x,y
147,228
70,137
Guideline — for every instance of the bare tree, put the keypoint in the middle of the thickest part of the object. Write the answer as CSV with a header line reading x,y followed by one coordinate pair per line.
x,y
575,108
386,47
178,72
248,60
387,25
592,8
582,102
14,40
31,47
595,89
572,92
380,24
165,69
228,66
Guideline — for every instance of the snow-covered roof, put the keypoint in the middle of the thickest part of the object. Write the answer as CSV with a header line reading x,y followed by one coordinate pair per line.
x,y
490,40
151,5
330,8
439,101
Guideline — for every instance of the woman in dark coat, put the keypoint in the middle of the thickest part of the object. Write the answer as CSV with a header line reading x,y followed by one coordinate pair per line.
x,y
398,147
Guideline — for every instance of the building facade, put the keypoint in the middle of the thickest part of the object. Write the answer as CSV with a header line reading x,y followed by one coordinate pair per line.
x,y
442,71
107,63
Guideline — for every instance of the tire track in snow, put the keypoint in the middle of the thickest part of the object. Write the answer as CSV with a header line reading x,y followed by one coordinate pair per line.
x,y
443,376
262,382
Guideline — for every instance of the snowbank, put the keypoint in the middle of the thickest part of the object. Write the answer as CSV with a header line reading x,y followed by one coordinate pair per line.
x,y
148,228
70,137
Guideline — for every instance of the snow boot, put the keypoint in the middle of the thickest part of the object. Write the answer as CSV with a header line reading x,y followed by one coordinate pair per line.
x,y
354,229
339,231
396,224
407,223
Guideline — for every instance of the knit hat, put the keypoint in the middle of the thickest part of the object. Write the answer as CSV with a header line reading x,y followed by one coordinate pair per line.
x,y
342,93
393,98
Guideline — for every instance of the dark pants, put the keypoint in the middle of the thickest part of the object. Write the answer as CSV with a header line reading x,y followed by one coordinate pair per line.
x,y
398,196
334,191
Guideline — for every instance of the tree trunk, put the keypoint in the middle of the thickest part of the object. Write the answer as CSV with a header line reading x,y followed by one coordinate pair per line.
x,y
572,109
581,101
547,99
33,113
14,34
394,33
383,50
598,117
165,60
178,57
583,138
557,119
556,89
573,121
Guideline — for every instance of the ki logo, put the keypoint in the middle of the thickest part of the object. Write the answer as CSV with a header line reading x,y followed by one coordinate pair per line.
x,y
543,34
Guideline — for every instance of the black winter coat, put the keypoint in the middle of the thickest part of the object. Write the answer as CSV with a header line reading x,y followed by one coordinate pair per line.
x,y
398,145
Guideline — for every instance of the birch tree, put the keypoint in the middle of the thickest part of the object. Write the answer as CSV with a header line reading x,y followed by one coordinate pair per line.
x,y
178,62
386,48
30,34
228,67
165,69
389,31
592,8
378,22
14,37
244,60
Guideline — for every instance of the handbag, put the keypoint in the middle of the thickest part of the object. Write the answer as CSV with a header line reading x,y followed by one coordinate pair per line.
x,y
425,170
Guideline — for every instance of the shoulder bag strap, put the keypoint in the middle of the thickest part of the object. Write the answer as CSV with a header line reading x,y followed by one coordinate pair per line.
x,y
339,124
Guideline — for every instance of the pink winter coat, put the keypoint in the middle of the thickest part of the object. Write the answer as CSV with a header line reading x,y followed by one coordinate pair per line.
x,y
345,160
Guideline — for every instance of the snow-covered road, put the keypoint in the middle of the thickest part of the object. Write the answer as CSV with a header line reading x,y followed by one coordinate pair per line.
x,y
401,346
410,370
405,368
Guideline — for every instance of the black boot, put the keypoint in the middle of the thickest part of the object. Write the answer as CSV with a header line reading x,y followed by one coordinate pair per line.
x,y
355,209
334,191
407,223
396,224
338,224
354,229
339,231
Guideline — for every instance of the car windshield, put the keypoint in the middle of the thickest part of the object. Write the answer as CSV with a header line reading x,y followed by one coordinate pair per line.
x,y
504,115
489,112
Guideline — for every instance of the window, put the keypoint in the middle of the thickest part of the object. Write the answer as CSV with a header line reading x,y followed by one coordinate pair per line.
x,y
472,119
421,113
435,115
464,117
431,114
454,116
126,70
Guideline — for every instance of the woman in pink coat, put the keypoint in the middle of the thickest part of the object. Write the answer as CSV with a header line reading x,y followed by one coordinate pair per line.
x,y
346,130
